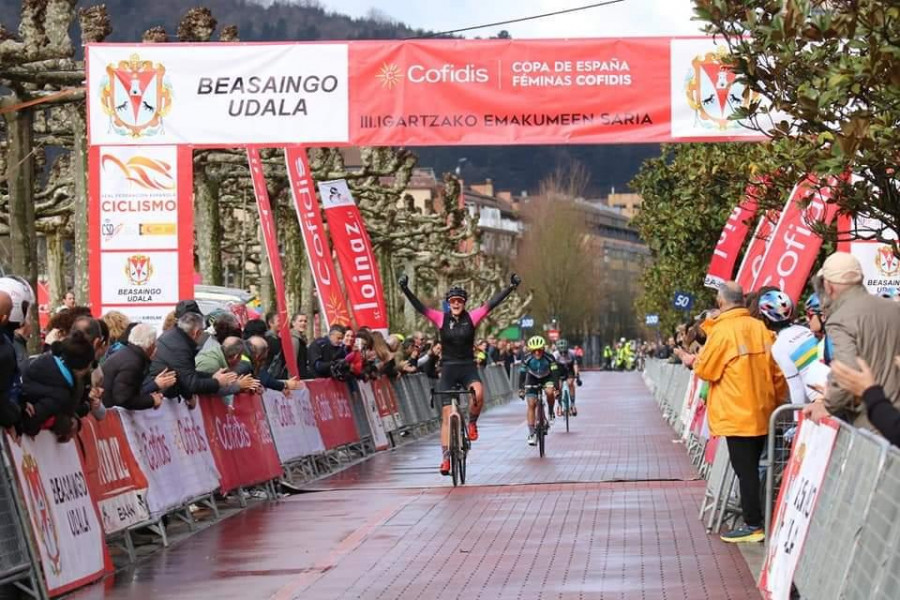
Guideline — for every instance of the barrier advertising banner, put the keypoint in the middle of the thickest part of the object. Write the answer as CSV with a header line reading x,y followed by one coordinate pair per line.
x,y
293,425
173,452
315,240
388,406
330,400
113,473
354,252
270,238
140,229
725,254
802,480
240,440
794,246
756,249
63,518
379,437
881,268
415,93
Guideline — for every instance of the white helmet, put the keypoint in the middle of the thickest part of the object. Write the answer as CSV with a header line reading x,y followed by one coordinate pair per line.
x,y
21,294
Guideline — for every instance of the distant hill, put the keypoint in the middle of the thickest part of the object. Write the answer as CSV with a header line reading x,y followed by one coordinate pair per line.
x,y
514,168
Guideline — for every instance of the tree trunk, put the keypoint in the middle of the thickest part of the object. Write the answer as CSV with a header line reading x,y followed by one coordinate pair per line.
x,y
308,297
266,285
80,204
208,228
56,273
290,236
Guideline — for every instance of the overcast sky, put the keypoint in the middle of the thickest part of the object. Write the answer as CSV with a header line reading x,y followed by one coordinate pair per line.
x,y
627,18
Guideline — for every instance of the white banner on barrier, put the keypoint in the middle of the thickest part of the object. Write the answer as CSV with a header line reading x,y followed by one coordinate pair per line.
x,y
801,482
171,447
62,515
375,424
273,94
293,425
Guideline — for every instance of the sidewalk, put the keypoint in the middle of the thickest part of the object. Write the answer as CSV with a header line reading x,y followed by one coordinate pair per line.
x,y
609,513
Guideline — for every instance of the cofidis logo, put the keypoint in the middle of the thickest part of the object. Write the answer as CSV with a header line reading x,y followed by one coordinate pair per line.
x,y
390,75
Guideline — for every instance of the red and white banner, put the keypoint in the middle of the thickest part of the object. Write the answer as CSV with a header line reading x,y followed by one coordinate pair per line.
x,y
354,252
113,473
140,230
794,247
330,400
240,440
62,514
415,93
173,453
756,249
721,267
797,499
373,416
270,238
386,398
881,267
331,297
293,425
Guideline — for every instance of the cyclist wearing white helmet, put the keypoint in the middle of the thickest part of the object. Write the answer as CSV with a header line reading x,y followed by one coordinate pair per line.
x,y
795,348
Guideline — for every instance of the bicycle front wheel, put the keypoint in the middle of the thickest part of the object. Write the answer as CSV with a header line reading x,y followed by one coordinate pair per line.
x,y
454,449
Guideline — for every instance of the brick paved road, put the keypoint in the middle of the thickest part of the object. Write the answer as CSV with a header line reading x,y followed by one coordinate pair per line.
x,y
610,513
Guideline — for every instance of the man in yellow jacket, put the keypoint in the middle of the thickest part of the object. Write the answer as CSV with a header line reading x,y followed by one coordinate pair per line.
x,y
745,386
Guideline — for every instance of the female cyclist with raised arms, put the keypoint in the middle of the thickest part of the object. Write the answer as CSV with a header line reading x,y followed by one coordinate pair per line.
x,y
457,338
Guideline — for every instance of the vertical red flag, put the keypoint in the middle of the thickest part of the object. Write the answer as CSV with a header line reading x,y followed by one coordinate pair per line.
x,y
267,226
354,251
794,246
721,267
331,297
756,250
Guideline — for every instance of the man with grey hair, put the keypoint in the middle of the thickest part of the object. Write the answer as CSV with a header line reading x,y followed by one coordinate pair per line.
x,y
254,363
177,350
125,371
227,356
860,325
745,386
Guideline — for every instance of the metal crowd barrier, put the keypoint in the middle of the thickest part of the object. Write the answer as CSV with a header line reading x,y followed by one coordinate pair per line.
x,y
782,427
17,556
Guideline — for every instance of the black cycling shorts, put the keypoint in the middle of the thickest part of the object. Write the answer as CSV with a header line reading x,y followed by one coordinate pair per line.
x,y
565,371
462,374
544,382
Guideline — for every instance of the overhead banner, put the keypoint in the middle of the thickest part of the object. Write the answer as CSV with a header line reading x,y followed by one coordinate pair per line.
x,y
240,440
113,472
794,247
63,519
797,499
881,267
415,93
379,437
330,400
354,252
217,94
315,240
721,267
140,230
173,452
293,425
270,238
756,249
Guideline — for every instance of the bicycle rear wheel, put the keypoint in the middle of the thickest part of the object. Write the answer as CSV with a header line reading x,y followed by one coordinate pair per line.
x,y
567,406
454,449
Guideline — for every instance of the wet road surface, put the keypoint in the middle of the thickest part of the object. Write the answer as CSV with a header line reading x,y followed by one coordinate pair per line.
x,y
609,513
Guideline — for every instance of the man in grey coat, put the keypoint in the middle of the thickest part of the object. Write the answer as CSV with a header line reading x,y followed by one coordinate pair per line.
x,y
859,325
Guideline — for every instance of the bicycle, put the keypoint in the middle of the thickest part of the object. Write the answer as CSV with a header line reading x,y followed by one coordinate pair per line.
x,y
565,402
541,426
459,439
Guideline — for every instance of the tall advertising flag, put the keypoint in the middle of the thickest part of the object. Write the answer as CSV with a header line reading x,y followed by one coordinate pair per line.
x,y
331,297
721,267
354,252
756,249
267,226
794,246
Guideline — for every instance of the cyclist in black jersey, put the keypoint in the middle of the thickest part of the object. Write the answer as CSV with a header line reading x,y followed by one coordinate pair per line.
x,y
457,338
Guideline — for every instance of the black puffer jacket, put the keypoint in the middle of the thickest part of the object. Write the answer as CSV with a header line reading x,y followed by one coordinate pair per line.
x,y
176,351
46,388
123,377
322,354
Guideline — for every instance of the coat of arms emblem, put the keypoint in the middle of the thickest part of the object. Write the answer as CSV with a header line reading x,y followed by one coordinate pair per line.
x,y
887,262
138,269
41,512
714,93
136,95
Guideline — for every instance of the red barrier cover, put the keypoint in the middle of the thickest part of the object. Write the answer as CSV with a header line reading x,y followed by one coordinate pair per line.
x,y
388,407
331,404
117,483
240,441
